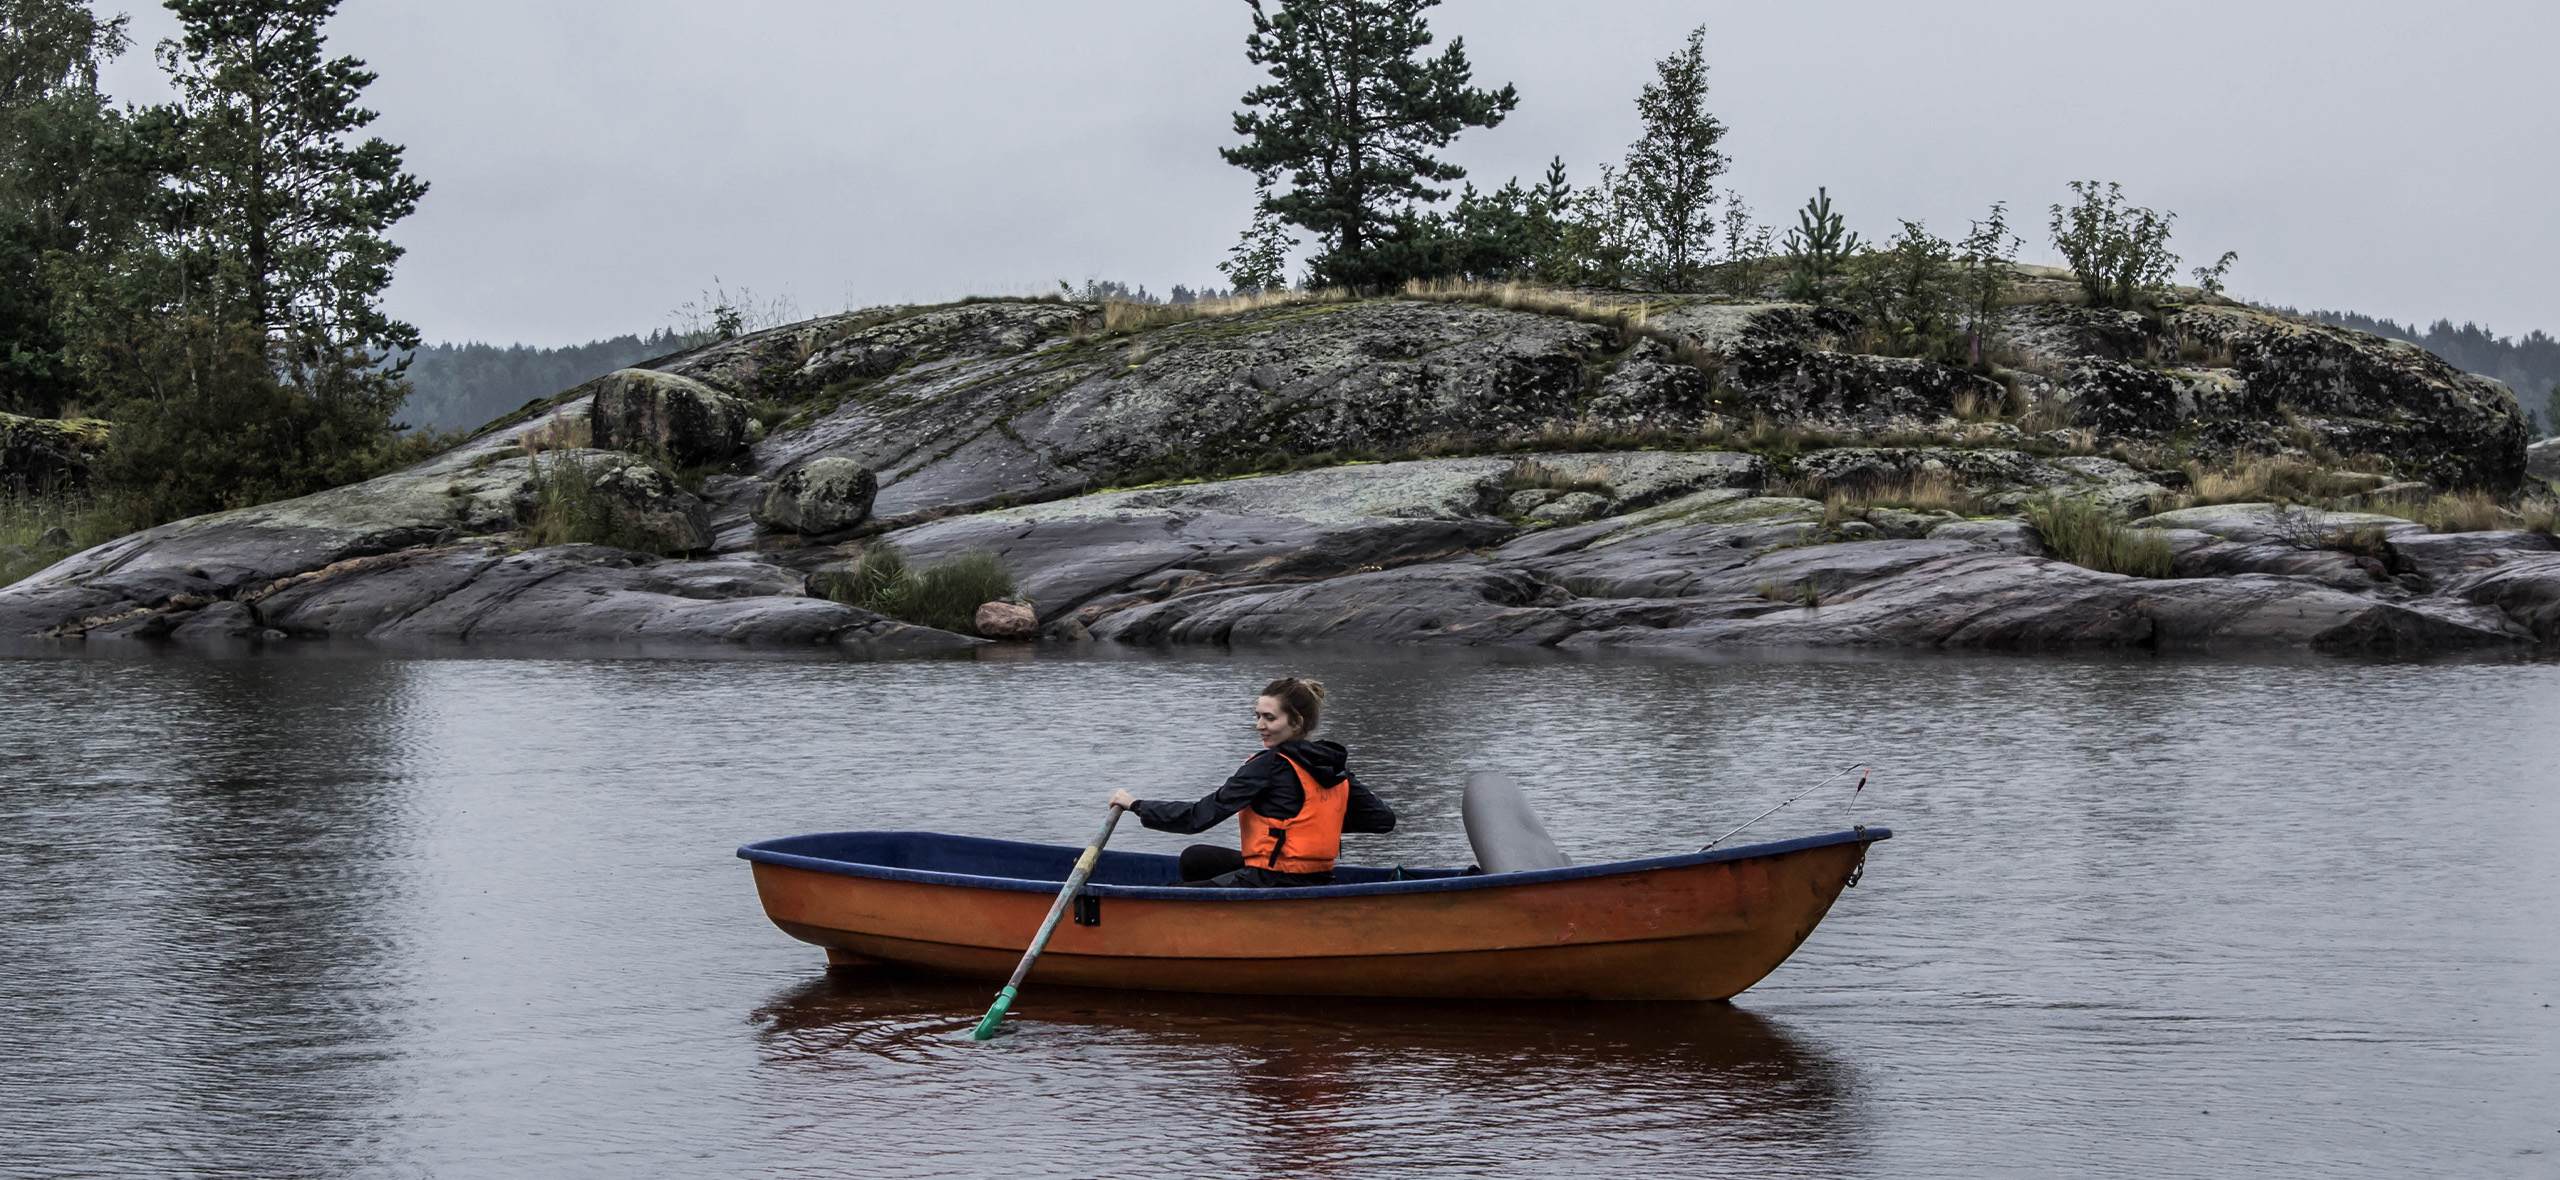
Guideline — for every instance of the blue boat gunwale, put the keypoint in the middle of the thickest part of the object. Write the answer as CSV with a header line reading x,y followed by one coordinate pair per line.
x,y
764,852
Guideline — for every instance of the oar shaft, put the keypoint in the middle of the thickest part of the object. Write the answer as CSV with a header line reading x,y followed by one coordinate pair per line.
x,y
1048,926
1862,785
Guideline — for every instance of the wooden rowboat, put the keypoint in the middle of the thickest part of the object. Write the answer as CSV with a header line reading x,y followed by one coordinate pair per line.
x,y
1699,926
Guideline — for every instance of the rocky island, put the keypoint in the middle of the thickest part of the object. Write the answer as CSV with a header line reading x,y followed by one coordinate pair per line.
x,y
1462,465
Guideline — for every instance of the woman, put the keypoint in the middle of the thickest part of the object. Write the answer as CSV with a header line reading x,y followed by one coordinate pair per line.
x,y
1293,801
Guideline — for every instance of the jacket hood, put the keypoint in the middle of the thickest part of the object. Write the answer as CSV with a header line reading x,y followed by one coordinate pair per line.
x,y
1327,761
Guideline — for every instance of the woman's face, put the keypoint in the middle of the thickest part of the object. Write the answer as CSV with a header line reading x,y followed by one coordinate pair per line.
x,y
1272,722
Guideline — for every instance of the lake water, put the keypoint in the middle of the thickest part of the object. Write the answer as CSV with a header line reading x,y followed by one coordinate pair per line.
x,y
354,916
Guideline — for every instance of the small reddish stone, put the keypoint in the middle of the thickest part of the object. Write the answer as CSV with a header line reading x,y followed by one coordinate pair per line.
x,y
1005,620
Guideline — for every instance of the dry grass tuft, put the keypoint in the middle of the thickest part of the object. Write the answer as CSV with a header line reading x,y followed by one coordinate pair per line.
x,y
568,433
1120,318
2280,479
1586,306
1925,491
1531,473
2469,512
1807,593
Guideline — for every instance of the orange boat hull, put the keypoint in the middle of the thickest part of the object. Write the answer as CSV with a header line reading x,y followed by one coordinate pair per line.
x,y
1683,931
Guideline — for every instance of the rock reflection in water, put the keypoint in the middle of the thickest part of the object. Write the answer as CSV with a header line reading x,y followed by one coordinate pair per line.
x,y
1334,1086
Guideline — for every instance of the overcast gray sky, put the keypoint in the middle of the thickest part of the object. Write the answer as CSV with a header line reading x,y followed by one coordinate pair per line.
x,y
596,164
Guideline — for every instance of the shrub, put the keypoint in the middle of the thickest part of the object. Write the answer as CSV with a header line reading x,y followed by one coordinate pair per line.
x,y
944,595
2081,533
1909,295
2119,252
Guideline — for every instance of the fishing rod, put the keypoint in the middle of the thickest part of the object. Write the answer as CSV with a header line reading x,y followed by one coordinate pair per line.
x,y
1860,767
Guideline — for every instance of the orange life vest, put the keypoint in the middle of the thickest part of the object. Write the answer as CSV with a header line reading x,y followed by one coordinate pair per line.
x,y
1306,842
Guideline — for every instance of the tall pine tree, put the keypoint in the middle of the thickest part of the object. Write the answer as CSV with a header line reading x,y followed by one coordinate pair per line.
x,y
1671,172
286,209
1351,118
239,353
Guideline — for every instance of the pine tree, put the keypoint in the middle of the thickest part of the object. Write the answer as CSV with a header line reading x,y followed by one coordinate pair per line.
x,y
1671,171
1260,259
239,345
286,210
1818,250
1351,119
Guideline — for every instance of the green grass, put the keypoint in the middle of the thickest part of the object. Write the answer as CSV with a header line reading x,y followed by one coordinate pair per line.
x,y
945,595
24,521
568,510
2081,533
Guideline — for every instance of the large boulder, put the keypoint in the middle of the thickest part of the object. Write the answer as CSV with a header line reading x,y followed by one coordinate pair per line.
x,y
677,419
2542,459
619,499
45,455
825,495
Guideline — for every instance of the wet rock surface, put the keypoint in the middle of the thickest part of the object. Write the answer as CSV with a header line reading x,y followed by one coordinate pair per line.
x,y
997,427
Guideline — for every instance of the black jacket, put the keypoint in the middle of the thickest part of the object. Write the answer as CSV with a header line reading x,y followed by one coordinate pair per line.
x,y
1266,784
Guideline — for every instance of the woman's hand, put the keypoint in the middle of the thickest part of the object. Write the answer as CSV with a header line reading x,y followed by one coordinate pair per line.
x,y
1124,800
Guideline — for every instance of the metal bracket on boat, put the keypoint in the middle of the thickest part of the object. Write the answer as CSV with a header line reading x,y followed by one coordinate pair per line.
x,y
1088,910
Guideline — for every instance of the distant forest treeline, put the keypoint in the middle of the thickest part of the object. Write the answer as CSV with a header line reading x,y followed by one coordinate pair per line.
x,y
460,386
2530,366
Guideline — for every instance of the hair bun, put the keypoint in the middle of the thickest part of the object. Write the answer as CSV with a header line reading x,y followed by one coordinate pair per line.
x,y
1301,698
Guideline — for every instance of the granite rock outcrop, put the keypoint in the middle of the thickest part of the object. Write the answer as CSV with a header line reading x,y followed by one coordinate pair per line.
x,y
1403,471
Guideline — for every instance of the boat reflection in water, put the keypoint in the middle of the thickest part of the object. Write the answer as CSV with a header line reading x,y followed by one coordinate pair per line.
x,y
1349,1085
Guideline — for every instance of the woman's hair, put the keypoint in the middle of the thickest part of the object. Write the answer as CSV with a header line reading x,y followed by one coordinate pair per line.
x,y
1301,699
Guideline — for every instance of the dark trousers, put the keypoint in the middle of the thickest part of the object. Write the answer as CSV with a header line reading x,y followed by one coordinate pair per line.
x,y
1214,866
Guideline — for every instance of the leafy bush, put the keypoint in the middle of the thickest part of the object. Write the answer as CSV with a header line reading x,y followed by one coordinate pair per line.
x,y
2120,252
944,595
1908,294
2081,533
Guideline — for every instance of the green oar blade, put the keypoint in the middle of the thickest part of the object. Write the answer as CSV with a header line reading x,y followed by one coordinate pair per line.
x,y
986,1029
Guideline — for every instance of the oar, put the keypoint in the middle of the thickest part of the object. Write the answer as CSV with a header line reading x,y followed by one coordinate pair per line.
x,y
1057,909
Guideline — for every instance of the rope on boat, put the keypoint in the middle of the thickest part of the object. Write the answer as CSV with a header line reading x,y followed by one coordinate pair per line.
x,y
1860,767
